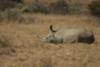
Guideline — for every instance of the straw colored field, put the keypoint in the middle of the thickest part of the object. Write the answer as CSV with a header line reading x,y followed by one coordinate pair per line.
x,y
23,47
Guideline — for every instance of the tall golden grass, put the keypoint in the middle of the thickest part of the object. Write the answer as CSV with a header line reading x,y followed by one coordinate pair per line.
x,y
25,48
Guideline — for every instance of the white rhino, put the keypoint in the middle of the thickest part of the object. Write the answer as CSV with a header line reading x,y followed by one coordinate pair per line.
x,y
69,35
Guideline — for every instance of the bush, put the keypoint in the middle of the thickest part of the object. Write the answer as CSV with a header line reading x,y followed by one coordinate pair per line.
x,y
59,7
36,7
15,15
40,7
94,8
5,4
17,1
75,8
11,15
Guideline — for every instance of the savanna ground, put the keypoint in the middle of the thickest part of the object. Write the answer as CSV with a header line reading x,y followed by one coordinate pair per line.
x,y
21,44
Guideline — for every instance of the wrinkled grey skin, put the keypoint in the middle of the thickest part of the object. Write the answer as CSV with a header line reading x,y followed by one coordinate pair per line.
x,y
71,35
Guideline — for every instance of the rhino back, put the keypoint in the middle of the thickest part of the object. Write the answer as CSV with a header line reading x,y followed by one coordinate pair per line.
x,y
69,35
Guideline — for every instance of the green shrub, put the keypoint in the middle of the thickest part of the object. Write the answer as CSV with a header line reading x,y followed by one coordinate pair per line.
x,y
94,8
36,7
26,8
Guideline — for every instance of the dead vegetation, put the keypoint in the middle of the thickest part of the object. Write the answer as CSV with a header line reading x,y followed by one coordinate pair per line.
x,y
6,47
23,46
15,16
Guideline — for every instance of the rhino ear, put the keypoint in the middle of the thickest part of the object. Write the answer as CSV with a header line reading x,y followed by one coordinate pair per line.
x,y
51,29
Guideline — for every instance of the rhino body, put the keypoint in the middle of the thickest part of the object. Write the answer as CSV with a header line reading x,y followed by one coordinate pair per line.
x,y
69,35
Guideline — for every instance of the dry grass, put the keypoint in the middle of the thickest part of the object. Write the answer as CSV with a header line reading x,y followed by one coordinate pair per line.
x,y
15,16
31,52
